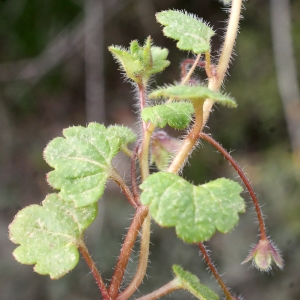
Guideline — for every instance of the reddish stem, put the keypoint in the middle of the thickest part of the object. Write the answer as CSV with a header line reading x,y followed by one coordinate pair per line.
x,y
214,271
188,62
125,189
138,219
84,252
245,180
135,188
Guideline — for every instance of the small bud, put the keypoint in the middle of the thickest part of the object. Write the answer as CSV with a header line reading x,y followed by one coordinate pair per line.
x,y
163,147
263,255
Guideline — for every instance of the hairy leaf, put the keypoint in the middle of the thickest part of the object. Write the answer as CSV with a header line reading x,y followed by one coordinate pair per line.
x,y
49,235
195,211
192,33
193,93
82,160
177,114
140,62
191,283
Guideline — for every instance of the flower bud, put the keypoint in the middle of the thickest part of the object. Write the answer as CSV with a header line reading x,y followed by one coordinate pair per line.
x,y
263,255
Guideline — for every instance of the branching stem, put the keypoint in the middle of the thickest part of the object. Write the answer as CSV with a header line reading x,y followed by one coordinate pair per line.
x,y
171,286
87,257
231,160
215,272
191,70
138,220
190,141
143,261
124,187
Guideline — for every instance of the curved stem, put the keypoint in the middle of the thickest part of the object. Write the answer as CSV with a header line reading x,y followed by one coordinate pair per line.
x,y
138,220
245,180
171,286
231,32
143,261
191,71
190,140
114,175
87,257
215,272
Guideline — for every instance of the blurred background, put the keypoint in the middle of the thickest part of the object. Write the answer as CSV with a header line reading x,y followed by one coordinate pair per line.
x,y
56,71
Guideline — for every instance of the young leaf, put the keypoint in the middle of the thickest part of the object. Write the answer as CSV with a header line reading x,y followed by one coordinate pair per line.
x,y
139,63
195,211
49,235
82,161
177,114
182,92
191,283
192,34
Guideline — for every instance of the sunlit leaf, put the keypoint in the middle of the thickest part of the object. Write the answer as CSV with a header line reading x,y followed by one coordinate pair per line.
x,y
192,33
49,235
82,160
195,211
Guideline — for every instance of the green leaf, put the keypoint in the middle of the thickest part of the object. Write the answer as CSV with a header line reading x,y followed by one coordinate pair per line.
x,y
192,33
82,161
160,62
191,283
177,114
125,134
193,93
139,63
195,211
133,67
49,235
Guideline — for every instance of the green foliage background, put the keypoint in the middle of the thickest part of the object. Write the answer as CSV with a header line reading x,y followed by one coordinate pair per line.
x,y
35,110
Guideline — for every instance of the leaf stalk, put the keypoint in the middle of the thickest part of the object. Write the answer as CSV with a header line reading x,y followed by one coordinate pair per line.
x,y
245,180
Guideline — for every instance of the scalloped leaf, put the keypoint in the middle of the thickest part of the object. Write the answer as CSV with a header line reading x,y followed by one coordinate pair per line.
x,y
191,283
195,211
82,160
192,33
193,93
49,235
139,63
177,114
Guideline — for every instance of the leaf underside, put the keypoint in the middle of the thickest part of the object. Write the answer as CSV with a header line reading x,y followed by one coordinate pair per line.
x,y
177,114
49,234
191,283
195,211
192,33
82,160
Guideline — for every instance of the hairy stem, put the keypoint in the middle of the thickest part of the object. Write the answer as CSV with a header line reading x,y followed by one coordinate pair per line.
x,y
231,160
190,141
215,272
215,82
143,261
114,175
171,286
135,188
138,220
84,252
187,62
142,97
144,154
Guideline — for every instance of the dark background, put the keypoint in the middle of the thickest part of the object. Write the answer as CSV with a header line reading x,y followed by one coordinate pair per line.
x,y
46,83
